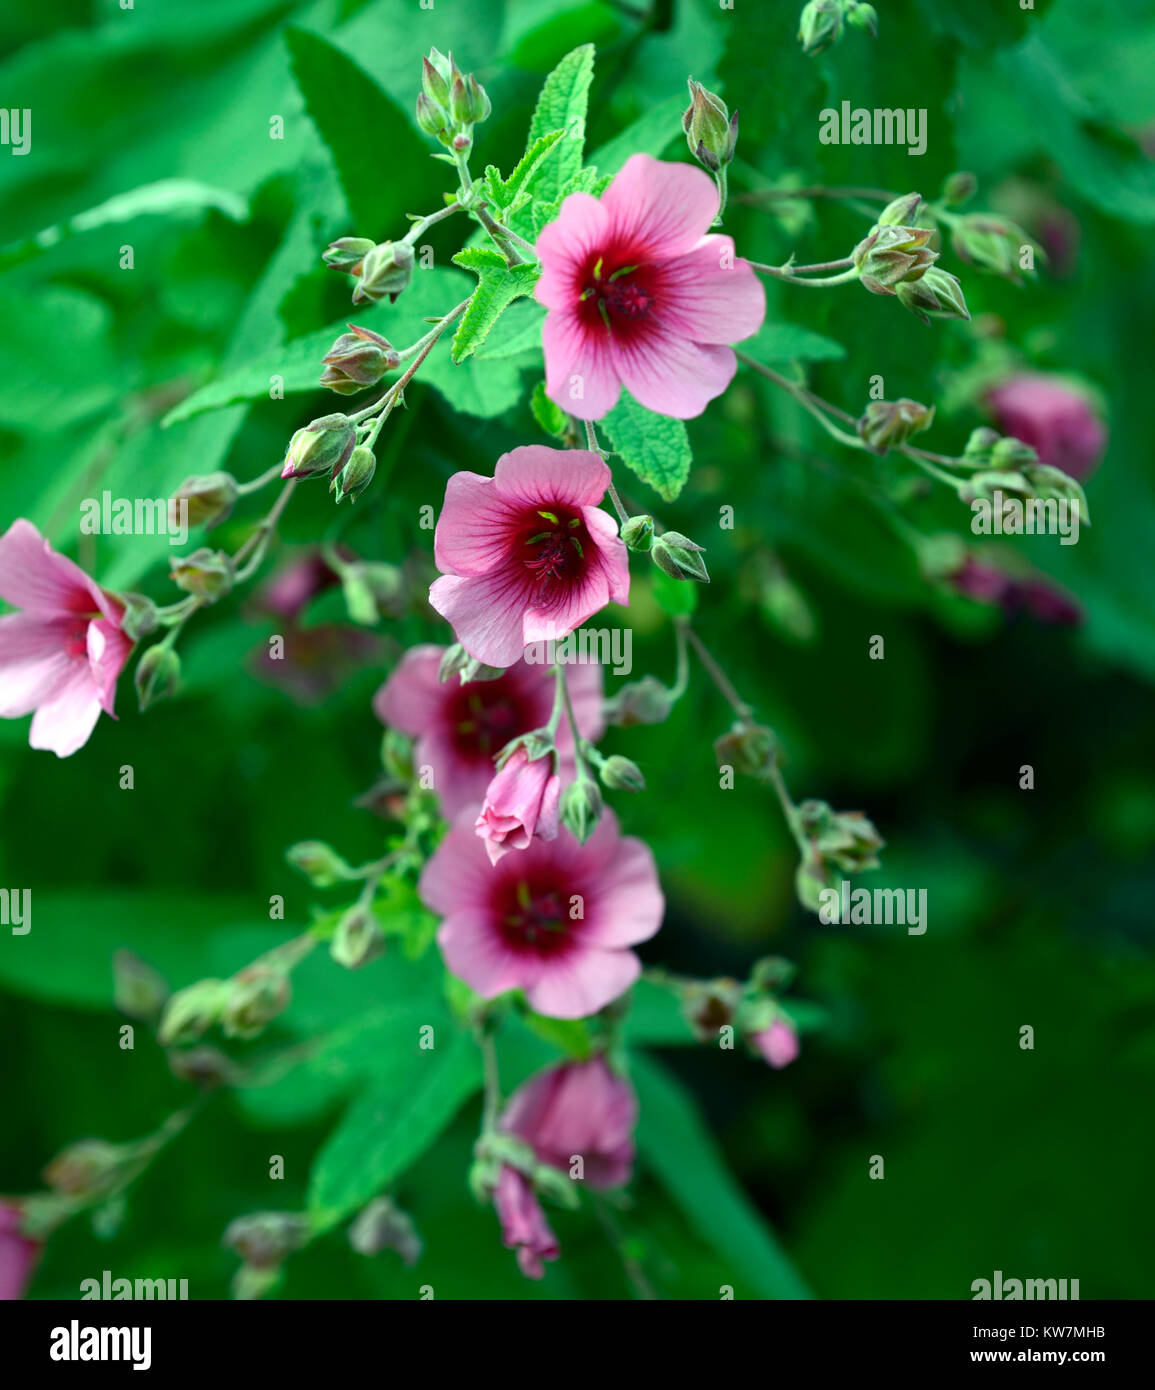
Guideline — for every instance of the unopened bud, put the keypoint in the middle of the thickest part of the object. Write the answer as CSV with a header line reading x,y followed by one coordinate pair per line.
x,y
432,118
140,616
646,701
820,25
902,212
157,675
709,1005
264,1239
384,1226
750,749
992,243
638,532
89,1168
959,188
372,588
581,808
190,1011
385,272
679,557
255,997
846,840
887,424
1010,452
358,359
322,446
347,253
320,863
937,295
357,940
862,16
138,990
621,774
468,102
206,1067
355,477
980,444
888,256
435,78
711,132
209,500
207,574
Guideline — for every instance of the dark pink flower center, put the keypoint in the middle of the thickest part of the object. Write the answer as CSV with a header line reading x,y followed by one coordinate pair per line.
x,y
484,715
617,297
76,639
533,915
552,545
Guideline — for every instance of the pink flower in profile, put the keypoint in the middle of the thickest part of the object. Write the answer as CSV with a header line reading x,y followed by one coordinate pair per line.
x,y
1056,420
580,1108
18,1254
521,802
641,294
527,555
556,919
62,655
778,1044
523,1224
460,729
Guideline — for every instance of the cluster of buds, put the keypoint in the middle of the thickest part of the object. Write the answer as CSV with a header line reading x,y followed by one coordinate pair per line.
x,y
748,748
884,425
243,1005
894,258
1007,465
381,269
450,102
837,843
751,1008
358,359
822,22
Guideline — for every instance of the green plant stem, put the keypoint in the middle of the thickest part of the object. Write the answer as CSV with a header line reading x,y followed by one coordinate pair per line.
x,y
596,448
793,275
425,223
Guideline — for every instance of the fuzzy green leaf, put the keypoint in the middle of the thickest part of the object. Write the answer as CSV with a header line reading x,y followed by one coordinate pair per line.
x,y
655,447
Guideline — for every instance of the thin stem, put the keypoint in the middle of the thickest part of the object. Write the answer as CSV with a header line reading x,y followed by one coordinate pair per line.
x,y
791,275
716,674
813,404
682,670
631,1266
492,1107
596,448
582,766
499,236
426,222
262,480
768,195
461,159
258,542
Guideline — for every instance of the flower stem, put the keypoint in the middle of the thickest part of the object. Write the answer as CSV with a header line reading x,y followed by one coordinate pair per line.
x,y
425,223
715,672
794,272
596,448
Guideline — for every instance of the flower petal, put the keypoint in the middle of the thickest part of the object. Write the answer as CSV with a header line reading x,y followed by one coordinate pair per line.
x,y
566,245
662,207
709,297
67,720
474,530
34,577
582,982
410,699
675,377
580,372
108,649
485,613
34,661
629,905
533,476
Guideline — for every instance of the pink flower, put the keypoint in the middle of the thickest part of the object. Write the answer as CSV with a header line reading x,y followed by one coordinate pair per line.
x,y
521,802
580,1108
555,920
641,294
527,555
460,729
523,1224
1056,420
778,1044
1033,594
60,657
18,1254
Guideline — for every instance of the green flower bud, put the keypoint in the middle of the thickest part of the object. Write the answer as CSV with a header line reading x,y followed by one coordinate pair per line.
x,y
581,808
980,444
902,212
385,272
209,574
354,478
646,701
621,774
887,424
890,255
206,1067
678,556
820,25
139,617
984,485
255,997
191,1011
320,863
991,243
959,188
264,1239
347,253
89,1168
432,118
209,500
371,588
468,101
384,1226
862,16
750,749
323,446
358,359
711,132
941,556
157,675
937,295
638,532
1012,453
1052,483
846,840
436,76
357,940
138,990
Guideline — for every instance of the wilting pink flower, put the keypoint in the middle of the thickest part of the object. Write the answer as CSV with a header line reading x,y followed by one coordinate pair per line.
x,y
556,919
62,655
523,1224
521,802
1033,594
641,294
460,729
18,1254
527,555
778,1044
1056,420
578,1108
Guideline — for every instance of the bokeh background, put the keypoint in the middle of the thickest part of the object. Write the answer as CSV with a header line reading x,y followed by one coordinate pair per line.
x,y
1040,902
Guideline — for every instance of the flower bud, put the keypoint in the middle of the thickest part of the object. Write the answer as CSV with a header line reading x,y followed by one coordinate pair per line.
x,y
372,588
1052,483
985,484
264,1239
206,1067
323,446
678,556
357,940
255,997
845,840
190,1011
980,444
711,132
936,295
139,617
157,675
638,532
750,749
320,864
646,701
820,25
89,1168
991,243
384,1226
347,253
468,101
138,990
358,359
581,808
621,774
862,16
210,499
887,424
959,188
1009,452
208,574
709,1005
890,255
433,119
354,478
385,272
436,76
902,212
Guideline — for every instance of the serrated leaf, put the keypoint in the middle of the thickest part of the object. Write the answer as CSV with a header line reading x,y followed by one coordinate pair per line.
x,y
562,106
584,181
504,192
498,286
655,447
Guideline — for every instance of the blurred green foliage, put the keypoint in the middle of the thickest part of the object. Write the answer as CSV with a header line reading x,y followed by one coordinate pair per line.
x,y
1033,1162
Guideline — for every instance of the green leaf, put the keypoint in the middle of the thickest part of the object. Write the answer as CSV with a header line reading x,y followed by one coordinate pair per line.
x,y
677,597
562,106
655,447
388,1128
652,133
548,415
353,115
570,1035
655,1018
505,193
517,333
786,342
498,286
166,197
675,1145
44,386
